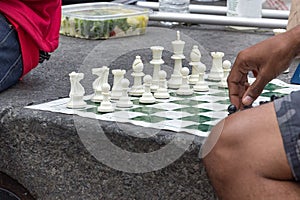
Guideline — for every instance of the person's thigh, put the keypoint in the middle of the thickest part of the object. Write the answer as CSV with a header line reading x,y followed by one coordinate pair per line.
x,y
260,140
10,55
250,140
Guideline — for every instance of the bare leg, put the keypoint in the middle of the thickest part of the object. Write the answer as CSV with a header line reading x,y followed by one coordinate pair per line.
x,y
245,157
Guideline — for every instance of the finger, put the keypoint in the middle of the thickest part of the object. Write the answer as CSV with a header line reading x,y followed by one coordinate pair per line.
x,y
255,73
234,96
236,87
247,84
253,91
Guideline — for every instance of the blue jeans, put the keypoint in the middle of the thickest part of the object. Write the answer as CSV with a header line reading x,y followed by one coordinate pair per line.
x,y
11,66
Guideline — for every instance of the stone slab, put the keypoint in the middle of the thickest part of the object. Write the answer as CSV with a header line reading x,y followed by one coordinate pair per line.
x,y
45,153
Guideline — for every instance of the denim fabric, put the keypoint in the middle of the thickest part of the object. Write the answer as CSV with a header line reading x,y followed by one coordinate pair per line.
x,y
288,115
11,65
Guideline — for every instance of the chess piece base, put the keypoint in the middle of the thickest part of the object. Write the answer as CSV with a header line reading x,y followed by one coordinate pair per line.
x,y
201,88
161,94
136,92
106,107
76,102
97,98
175,81
147,99
193,79
184,92
128,104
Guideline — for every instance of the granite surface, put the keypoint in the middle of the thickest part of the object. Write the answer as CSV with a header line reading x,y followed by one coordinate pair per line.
x,y
45,153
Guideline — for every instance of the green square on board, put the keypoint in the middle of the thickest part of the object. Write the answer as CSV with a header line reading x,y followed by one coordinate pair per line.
x,y
150,119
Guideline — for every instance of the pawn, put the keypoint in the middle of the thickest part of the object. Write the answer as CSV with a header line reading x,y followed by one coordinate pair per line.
x,y
106,105
247,107
162,91
124,100
147,97
226,70
184,88
274,97
263,102
231,109
201,85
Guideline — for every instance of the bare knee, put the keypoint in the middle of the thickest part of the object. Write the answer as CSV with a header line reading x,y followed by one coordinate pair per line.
x,y
247,147
220,152
242,144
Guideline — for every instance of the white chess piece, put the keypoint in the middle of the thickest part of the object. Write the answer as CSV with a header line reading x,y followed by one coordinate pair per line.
x,y
137,88
226,68
184,88
156,62
124,100
201,85
162,91
102,74
106,105
76,92
147,97
216,72
178,46
116,91
195,57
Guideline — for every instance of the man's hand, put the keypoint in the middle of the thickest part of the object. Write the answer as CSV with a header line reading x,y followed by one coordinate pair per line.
x,y
266,60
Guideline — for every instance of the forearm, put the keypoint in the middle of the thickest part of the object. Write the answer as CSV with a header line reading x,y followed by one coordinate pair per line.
x,y
292,37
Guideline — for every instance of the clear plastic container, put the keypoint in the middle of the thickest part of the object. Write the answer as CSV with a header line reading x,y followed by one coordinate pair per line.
x,y
103,20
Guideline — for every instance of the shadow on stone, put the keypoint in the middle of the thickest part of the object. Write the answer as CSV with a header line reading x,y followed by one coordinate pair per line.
x,y
10,189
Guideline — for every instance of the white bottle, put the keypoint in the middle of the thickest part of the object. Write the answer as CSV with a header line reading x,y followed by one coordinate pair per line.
x,y
244,8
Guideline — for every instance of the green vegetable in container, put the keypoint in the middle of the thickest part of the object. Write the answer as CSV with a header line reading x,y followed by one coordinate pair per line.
x,y
103,28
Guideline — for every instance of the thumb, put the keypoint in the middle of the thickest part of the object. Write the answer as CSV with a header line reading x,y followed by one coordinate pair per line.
x,y
253,91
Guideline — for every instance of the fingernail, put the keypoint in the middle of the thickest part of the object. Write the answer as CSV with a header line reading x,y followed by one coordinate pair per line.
x,y
247,100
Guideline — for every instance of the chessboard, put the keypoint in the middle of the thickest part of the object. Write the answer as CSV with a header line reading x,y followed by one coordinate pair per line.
x,y
195,114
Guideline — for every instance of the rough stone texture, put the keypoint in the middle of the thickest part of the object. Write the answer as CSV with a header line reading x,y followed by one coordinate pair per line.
x,y
43,151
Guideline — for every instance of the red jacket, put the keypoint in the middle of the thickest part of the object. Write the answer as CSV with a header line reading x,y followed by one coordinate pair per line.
x,y
37,23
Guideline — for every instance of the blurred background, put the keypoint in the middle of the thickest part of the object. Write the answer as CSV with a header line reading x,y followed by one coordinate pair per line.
x,y
211,2
266,4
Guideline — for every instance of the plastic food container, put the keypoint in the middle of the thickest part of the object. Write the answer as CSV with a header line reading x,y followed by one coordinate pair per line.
x,y
103,20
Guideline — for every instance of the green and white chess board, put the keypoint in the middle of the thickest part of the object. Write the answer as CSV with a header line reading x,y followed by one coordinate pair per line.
x,y
195,114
